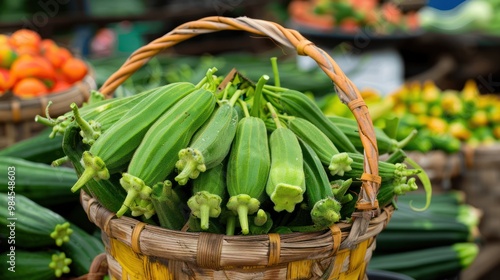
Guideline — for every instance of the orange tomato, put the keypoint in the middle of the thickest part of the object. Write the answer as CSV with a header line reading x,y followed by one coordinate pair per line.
x,y
5,79
74,69
57,56
29,88
25,40
32,66
47,44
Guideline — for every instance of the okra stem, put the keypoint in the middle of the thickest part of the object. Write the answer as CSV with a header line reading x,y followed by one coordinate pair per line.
x,y
129,199
204,215
274,64
89,132
244,107
243,205
269,92
45,121
270,88
94,168
256,107
274,115
340,187
397,157
47,113
226,91
273,100
261,218
205,205
235,97
208,81
401,144
230,224
60,161
243,217
135,188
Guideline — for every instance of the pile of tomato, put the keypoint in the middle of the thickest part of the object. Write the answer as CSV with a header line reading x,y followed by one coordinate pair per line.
x,y
31,66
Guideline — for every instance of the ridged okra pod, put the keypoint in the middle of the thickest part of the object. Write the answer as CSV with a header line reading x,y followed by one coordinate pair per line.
x,y
60,123
208,193
248,169
155,157
113,149
108,192
168,206
96,112
325,209
387,171
297,104
210,145
93,126
286,181
326,150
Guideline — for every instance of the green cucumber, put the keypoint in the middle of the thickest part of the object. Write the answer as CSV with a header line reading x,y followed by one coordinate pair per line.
x,y
40,182
32,265
39,148
82,248
30,223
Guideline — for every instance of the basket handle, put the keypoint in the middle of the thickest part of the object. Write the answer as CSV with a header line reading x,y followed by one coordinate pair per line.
x,y
290,38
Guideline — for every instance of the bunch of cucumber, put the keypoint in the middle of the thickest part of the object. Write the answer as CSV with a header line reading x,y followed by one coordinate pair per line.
x,y
41,244
436,244
224,155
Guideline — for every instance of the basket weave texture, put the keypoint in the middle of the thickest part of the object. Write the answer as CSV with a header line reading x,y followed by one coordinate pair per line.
x,y
17,116
136,250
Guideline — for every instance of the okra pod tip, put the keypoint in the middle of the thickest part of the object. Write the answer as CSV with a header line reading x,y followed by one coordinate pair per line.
x,y
326,212
60,264
243,205
286,196
205,205
340,163
136,189
190,164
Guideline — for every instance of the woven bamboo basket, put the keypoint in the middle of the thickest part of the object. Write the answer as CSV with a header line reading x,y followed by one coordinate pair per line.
x,y
17,116
135,250
480,181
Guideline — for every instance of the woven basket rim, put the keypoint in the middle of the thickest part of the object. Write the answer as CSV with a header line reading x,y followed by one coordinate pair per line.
x,y
155,241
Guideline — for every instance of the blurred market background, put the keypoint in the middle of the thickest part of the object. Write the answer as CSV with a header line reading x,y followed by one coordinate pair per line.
x,y
434,65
